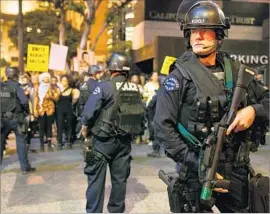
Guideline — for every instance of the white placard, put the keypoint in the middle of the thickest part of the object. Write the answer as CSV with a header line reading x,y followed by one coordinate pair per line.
x,y
58,55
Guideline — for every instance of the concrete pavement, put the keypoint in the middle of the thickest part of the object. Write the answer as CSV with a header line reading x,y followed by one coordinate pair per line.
x,y
59,184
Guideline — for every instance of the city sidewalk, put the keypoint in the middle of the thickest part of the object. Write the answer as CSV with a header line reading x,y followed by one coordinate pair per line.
x,y
59,184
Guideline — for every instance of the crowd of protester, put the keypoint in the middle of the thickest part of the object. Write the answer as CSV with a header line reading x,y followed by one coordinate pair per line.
x,y
53,102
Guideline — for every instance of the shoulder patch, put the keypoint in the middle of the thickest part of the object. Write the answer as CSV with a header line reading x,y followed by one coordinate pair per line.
x,y
97,91
171,84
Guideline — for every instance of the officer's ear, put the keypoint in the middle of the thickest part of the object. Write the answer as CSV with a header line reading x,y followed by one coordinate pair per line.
x,y
219,43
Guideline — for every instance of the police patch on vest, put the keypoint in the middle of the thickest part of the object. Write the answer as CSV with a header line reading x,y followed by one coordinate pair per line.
x,y
171,84
97,91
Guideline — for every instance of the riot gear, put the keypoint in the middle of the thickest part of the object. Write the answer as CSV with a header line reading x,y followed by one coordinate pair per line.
x,y
203,14
12,73
119,62
93,69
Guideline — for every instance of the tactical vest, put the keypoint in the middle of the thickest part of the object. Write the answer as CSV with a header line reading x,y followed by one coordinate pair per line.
x,y
125,116
204,105
9,100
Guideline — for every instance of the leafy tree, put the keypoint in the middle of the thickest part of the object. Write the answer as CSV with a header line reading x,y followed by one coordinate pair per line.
x,y
41,27
4,63
121,46
112,18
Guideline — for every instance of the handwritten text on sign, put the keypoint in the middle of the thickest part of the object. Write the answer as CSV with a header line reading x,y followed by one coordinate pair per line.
x,y
37,58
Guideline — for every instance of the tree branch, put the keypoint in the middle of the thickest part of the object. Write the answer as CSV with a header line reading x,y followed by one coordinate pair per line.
x,y
98,4
93,47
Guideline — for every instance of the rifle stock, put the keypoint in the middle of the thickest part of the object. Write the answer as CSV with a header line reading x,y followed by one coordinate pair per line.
x,y
245,76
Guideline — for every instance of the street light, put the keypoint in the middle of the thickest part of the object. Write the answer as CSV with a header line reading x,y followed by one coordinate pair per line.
x,y
28,29
38,30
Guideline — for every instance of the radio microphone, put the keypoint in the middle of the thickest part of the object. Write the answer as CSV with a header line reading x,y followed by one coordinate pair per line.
x,y
211,46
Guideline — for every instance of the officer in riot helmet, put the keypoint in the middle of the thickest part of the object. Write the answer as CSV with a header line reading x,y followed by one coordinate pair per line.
x,y
14,104
87,87
95,73
112,115
194,98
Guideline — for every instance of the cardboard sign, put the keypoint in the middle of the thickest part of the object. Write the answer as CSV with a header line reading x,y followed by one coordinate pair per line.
x,y
166,64
58,56
37,58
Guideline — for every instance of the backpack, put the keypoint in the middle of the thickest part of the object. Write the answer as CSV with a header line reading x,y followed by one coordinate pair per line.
x,y
259,194
128,111
8,98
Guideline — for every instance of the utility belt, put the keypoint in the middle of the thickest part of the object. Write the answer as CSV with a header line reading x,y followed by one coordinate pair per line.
x,y
106,129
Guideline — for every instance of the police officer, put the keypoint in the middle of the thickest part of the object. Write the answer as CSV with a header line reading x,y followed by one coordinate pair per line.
x,y
94,72
110,144
14,104
151,109
87,88
202,74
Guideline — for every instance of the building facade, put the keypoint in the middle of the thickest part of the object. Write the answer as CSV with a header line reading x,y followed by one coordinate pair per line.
x,y
157,33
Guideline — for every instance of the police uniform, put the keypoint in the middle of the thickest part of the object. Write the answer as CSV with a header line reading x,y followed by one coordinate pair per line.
x,y
109,146
11,123
183,102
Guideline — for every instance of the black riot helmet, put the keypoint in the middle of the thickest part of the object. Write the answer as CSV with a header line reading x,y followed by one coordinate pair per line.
x,y
119,62
12,73
94,69
205,14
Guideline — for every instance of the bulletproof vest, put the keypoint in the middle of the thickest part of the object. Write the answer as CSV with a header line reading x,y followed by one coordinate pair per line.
x,y
9,100
205,98
125,116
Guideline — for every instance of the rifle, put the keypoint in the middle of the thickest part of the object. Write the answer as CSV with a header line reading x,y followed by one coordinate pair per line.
x,y
213,148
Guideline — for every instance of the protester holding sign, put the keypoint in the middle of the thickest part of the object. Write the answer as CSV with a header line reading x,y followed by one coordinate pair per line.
x,y
44,108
